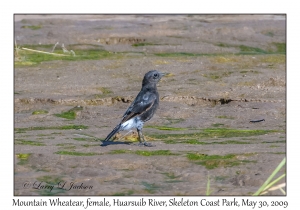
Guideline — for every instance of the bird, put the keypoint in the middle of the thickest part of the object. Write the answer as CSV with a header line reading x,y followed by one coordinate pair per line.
x,y
142,108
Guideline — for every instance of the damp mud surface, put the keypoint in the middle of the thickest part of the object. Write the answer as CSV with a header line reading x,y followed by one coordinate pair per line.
x,y
222,113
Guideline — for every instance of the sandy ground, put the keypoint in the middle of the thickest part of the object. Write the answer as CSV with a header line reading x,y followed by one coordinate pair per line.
x,y
221,89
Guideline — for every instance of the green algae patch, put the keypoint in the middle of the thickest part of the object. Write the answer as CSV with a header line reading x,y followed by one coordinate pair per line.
x,y
215,161
268,33
50,179
141,44
213,133
27,56
189,141
120,151
166,128
251,50
65,144
74,153
32,27
197,156
142,152
64,127
170,175
178,54
244,49
50,182
150,188
228,133
220,178
217,124
71,114
32,143
281,47
171,178
80,139
270,142
39,112
195,141
248,50
53,192
23,157
278,153
154,152
231,142
35,54
125,193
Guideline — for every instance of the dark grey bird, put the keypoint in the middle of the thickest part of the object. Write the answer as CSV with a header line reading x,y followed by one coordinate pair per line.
x,y
142,108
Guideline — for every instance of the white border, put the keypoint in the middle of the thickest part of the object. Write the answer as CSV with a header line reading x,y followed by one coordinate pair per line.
x,y
153,6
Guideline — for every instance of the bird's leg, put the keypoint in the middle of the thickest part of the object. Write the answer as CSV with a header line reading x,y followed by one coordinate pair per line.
x,y
141,136
142,140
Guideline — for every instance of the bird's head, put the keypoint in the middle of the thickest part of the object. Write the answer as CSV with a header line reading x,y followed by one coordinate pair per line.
x,y
153,77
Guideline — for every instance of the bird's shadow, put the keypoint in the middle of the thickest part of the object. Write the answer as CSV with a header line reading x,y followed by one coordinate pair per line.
x,y
107,143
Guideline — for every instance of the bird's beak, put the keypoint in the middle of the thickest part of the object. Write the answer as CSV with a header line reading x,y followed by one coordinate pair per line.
x,y
165,74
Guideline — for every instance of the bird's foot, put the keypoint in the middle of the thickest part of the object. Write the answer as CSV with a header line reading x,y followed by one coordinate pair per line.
x,y
146,144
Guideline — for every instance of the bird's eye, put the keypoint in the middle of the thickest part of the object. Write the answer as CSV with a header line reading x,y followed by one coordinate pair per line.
x,y
155,75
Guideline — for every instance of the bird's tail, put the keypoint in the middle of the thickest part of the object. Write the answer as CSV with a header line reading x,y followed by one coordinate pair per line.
x,y
114,131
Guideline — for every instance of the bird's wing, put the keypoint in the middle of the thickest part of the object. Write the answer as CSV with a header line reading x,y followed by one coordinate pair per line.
x,y
140,105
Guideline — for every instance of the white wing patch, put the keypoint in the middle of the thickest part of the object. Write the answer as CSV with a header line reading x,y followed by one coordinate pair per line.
x,y
132,123
128,124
